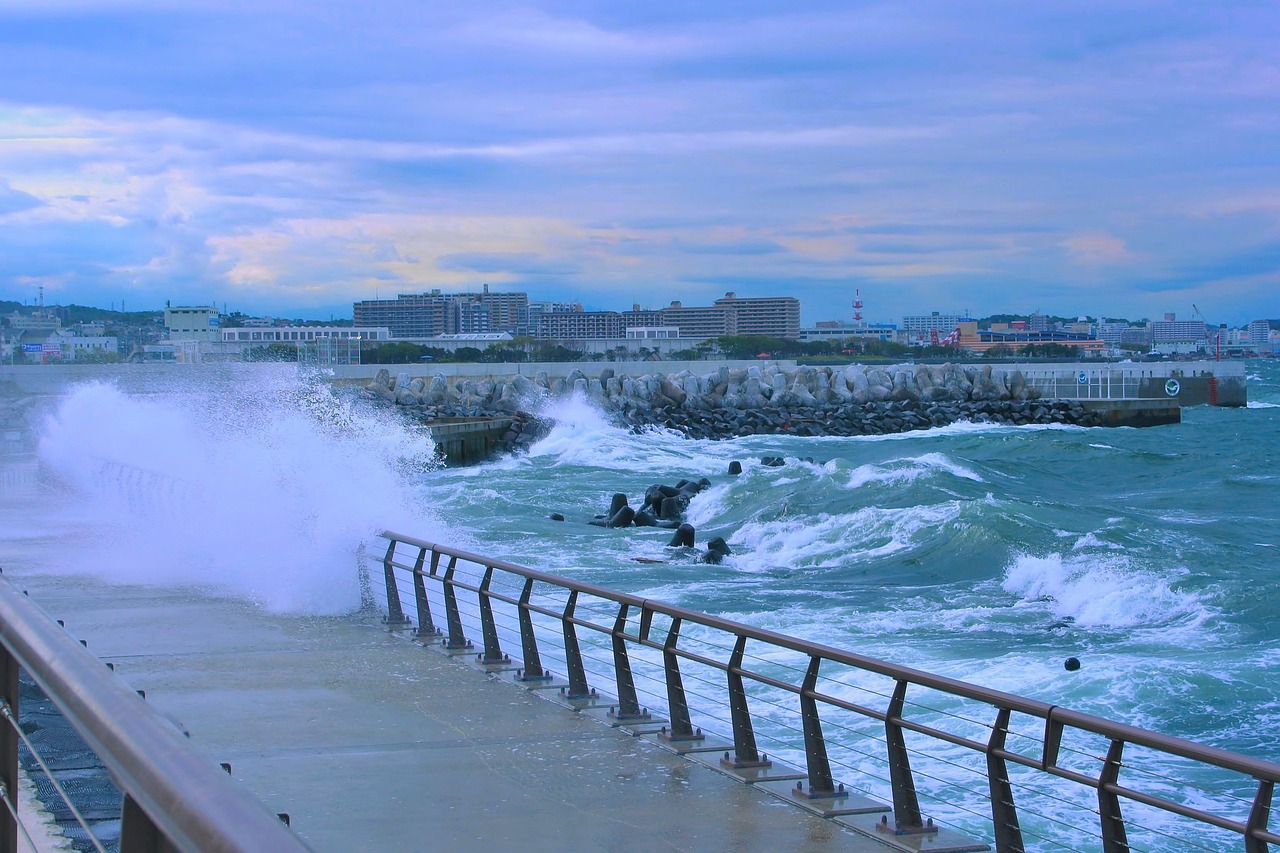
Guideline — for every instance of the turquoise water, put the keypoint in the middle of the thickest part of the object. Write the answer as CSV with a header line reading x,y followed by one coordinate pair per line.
x,y
986,553
990,554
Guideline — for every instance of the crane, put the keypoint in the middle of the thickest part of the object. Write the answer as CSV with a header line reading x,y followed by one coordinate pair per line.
x,y
1217,356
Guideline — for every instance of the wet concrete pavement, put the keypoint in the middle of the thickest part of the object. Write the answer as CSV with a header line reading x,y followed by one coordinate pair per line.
x,y
372,742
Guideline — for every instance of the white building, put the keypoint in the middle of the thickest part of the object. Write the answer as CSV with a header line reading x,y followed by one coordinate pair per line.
x,y
920,327
1260,335
302,334
192,323
84,346
649,333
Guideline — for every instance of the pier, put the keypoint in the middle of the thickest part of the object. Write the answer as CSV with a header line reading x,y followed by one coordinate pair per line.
x,y
392,730
370,742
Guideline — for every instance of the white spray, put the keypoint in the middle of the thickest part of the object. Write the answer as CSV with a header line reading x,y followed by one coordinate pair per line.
x,y
269,492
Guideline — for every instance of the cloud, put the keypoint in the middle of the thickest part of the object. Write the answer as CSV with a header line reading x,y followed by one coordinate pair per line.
x,y
1093,249
981,154
509,263
15,201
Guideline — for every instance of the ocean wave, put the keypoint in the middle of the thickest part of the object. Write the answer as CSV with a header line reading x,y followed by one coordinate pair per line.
x,y
1096,590
829,540
909,470
214,486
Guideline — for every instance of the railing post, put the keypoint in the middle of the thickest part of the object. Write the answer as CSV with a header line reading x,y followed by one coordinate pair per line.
x,y
532,670
629,709
426,626
1114,837
906,806
10,690
681,724
1004,816
395,613
138,833
489,628
572,654
745,753
821,785
456,639
1259,817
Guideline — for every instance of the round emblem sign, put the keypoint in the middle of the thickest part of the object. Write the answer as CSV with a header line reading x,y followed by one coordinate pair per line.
x,y
1172,387
1082,377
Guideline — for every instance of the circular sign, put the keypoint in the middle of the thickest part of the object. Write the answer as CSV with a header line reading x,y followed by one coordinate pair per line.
x,y
1082,377
1172,387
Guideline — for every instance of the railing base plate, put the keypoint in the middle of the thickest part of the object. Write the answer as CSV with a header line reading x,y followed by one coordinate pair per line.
x,y
453,651
848,804
611,717
941,841
685,747
578,703
495,666
538,684
769,772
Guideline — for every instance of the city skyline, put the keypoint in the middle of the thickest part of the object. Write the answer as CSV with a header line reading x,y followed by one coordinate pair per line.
x,y
994,157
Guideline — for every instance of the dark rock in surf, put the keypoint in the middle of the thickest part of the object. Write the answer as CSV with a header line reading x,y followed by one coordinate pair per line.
x,y
622,518
684,537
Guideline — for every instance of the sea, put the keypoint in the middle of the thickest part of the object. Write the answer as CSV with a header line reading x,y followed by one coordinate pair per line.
x,y
986,553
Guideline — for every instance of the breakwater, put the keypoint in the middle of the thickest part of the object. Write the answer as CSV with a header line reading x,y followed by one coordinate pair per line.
x,y
756,400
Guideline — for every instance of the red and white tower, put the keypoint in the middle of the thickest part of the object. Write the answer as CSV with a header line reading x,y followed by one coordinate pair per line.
x,y
857,309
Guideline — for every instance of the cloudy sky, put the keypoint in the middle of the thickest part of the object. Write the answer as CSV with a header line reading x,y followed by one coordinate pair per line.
x,y
1084,156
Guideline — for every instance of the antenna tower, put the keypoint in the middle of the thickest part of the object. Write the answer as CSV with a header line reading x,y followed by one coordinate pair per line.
x,y
857,308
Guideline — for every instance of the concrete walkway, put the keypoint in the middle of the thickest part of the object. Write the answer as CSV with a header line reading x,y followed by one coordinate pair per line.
x,y
371,742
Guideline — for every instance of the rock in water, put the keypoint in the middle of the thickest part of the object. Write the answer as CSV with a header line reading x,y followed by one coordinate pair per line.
x,y
622,518
684,537
717,550
735,468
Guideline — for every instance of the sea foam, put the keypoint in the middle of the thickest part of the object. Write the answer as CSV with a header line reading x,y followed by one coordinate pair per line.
x,y
266,492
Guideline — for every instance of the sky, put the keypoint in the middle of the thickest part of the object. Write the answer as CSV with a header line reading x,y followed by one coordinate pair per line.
x,y
1099,157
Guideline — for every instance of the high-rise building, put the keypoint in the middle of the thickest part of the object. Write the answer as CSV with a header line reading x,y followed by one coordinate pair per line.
x,y
533,312
409,315
920,327
1260,334
776,316
424,315
693,321
580,324
1178,331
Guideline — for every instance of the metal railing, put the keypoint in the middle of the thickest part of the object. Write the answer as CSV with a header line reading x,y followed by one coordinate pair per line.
x,y
174,799
901,734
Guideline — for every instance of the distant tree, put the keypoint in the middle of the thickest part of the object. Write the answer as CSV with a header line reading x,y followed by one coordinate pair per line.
x,y
546,351
1000,351
750,346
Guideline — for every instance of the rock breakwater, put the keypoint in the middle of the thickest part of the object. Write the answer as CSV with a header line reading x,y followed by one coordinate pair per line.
x,y
756,400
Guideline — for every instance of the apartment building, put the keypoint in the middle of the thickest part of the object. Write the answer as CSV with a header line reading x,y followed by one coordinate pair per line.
x,y
776,316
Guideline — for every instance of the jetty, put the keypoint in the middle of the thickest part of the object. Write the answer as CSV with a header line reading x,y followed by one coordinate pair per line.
x,y
733,399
